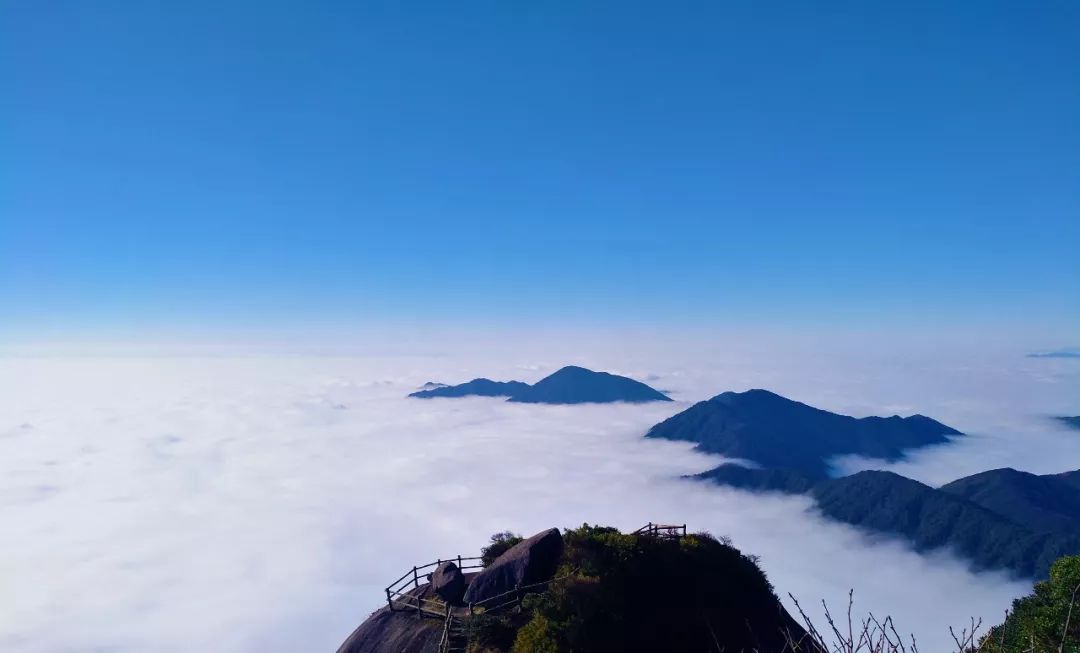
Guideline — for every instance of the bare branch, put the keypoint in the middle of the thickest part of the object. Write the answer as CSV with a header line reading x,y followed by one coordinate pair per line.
x,y
1065,631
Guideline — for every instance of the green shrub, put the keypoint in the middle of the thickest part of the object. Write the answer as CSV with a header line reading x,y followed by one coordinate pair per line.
x,y
500,542
489,632
632,593
1048,619
537,636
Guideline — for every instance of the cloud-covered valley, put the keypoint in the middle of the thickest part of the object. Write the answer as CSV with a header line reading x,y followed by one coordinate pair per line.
x,y
263,502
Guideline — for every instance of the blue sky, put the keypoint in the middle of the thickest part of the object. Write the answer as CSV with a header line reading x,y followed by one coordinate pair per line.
x,y
792,163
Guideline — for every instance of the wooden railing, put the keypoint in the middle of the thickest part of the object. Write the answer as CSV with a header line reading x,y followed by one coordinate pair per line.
x,y
493,604
397,592
512,597
399,598
662,531
448,622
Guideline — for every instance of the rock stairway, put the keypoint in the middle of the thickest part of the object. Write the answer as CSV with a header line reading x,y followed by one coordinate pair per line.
x,y
457,638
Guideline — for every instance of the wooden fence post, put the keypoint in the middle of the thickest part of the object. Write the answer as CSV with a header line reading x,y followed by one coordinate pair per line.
x,y
415,579
388,601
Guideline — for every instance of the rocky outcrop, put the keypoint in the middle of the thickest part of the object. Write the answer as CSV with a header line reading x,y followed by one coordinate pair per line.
x,y
531,561
640,595
448,583
394,632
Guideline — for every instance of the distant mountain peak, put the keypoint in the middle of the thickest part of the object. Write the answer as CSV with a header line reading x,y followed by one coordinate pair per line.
x,y
1057,353
880,477
576,369
476,388
780,433
578,385
759,394
1042,503
1002,472
1070,421
571,384
998,519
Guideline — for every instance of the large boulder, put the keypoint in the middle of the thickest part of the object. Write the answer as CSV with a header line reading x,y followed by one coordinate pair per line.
x,y
388,631
531,561
448,583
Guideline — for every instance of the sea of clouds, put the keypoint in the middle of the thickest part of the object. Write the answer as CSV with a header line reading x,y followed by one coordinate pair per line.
x,y
262,502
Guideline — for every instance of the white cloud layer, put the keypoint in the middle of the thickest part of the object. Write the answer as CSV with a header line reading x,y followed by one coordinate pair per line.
x,y
263,503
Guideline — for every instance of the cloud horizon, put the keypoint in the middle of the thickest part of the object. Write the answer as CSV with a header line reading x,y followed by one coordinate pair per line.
x,y
270,499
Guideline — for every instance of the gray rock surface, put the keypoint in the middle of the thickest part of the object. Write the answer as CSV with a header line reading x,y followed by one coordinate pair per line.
x,y
448,583
531,561
394,632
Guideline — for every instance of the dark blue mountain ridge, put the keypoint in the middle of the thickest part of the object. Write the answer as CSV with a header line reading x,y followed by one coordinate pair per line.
x,y
1060,353
475,388
577,385
931,518
1070,421
1072,478
779,433
758,480
999,519
1042,503
569,385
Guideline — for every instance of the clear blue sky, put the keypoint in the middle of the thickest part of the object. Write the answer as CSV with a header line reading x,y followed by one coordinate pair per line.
x,y
641,163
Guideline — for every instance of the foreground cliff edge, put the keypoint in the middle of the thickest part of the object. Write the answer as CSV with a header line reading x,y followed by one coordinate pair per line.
x,y
591,588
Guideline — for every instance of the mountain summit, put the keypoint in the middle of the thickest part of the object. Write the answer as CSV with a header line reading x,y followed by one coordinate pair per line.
x,y
1048,503
776,432
474,388
591,589
577,385
570,385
